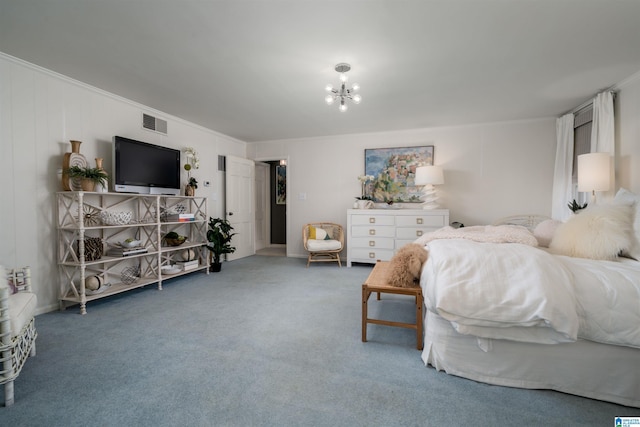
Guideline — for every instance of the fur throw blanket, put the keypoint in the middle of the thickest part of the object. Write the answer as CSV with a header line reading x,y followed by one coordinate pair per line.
x,y
483,234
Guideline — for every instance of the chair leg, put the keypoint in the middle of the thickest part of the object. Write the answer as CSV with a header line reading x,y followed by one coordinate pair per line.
x,y
308,260
8,394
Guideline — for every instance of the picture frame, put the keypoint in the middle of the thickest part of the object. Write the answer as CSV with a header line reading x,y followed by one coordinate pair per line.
x,y
394,171
281,185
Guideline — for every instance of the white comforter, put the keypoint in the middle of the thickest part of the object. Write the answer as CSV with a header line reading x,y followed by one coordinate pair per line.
x,y
521,293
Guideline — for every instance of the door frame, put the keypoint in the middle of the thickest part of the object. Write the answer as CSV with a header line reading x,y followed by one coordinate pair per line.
x,y
289,198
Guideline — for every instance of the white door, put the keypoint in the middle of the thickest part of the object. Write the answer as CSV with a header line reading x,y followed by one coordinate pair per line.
x,y
239,205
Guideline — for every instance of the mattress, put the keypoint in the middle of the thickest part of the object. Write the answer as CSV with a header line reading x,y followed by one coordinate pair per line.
x,y
584,368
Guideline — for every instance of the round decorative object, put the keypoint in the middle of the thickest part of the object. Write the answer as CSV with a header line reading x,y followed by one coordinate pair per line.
x,y
116,218
130,275
73,159
93,283
188,255
90,214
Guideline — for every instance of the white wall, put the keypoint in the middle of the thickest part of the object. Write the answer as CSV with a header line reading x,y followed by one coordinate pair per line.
x,y
40,111
491,170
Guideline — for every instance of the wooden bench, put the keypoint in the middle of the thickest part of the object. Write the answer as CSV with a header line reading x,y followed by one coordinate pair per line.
x,y
376,283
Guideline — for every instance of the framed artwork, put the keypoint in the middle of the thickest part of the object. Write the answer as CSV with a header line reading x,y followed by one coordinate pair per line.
x,y
281,185
394,171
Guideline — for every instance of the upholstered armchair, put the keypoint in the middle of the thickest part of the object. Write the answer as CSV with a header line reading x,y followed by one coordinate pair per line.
x,y
323,241
17,326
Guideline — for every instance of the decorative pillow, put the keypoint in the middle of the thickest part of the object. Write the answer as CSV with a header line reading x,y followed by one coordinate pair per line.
x,y
544,232
317,233
626,197
597,232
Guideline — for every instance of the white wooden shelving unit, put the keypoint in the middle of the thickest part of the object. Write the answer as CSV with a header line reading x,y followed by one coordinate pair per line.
x,y
78,218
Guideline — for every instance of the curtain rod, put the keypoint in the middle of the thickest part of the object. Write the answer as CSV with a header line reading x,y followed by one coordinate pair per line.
x,y
589,102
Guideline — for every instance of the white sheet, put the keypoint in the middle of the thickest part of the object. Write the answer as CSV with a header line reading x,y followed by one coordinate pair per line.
x,y
608,297
499,291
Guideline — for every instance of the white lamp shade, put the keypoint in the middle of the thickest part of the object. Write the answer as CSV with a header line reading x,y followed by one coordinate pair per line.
x,y
426,175
594,173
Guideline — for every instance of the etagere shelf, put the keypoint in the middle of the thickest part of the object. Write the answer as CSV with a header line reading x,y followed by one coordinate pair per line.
x,y
91,225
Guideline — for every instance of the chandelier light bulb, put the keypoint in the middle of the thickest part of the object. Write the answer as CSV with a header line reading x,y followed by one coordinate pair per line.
x,y
355,87
343,77
356,99
329,99
343,107
329,88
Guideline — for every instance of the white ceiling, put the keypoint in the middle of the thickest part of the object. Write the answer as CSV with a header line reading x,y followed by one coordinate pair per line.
x,y
256,70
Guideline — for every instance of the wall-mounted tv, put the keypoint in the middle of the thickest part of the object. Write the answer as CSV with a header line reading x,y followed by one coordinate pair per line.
x,y
144,168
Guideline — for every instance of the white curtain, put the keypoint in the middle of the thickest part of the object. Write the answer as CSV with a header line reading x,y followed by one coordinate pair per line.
x,y
603,134
562,183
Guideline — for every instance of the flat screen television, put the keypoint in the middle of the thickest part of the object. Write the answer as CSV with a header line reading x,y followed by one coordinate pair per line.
x,y
144,168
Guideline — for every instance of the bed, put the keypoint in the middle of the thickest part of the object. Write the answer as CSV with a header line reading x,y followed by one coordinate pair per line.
x,y
518,314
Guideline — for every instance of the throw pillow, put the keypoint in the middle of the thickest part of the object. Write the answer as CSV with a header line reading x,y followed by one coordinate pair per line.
x,y
626,197
317,233
597,232
544,232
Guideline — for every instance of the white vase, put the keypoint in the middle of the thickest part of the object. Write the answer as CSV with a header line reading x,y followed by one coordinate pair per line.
x,y
364,204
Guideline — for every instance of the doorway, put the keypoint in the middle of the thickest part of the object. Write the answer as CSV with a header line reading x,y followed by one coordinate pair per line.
x,y
271,207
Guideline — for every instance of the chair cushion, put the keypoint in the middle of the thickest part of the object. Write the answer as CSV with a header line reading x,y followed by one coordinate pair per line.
x,y
323,245
22,308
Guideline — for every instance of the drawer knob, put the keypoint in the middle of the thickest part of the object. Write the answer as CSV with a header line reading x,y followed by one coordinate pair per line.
x,y
418,220
372,242
419,233
372,232
372,255
372,220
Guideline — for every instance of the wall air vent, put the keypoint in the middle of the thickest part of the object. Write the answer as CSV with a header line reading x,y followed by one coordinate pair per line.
x,y
154,123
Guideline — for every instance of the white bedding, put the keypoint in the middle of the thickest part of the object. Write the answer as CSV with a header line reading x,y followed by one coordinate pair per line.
x,y
521,293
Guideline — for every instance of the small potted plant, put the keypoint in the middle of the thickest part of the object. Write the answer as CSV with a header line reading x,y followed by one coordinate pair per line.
x,y
89,177
190,189
575,206
219,236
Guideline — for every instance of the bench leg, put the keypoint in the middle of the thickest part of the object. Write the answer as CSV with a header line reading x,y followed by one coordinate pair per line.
x,y
419,326
8,393
365,298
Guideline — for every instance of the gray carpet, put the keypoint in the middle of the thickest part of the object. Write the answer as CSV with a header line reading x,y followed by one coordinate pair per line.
x,y
266,342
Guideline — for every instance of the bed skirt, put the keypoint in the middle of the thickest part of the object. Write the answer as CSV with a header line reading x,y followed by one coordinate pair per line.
x,y
584,368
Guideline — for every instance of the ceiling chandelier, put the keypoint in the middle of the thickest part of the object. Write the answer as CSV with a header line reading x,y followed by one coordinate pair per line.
x,y
343,93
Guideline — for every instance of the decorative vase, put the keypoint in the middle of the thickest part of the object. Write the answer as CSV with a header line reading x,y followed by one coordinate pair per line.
x,y
74,158
364,204
102,186
189,191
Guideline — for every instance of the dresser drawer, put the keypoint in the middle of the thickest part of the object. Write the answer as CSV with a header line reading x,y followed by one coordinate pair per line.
x,y
436,221
373,231
372,219
372,242
412,233
370,255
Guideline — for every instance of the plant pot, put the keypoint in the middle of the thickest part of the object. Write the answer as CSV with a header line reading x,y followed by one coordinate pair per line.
x,y
215,267
87,184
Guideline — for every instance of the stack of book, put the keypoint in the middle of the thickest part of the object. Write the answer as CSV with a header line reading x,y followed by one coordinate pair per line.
x,y
188,265
122,251
179,217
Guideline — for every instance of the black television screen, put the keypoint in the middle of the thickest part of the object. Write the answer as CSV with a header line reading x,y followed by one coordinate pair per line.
x,y
145,168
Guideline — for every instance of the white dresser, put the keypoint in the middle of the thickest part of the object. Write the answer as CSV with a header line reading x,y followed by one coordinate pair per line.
x,y
375,234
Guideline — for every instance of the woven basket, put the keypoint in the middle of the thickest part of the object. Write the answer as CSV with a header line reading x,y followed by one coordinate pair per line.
x,y
175,242
93,248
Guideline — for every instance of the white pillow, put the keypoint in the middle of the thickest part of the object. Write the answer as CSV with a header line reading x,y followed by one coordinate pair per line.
x,y
544,232
597,232
626,197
